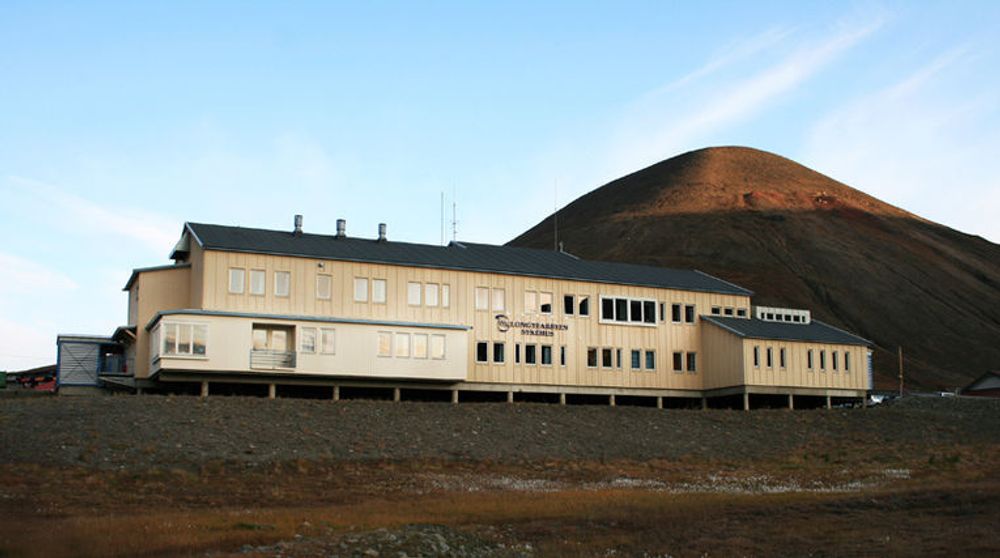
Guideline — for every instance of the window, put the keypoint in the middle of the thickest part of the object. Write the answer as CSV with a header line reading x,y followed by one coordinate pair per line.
x,y
547,355
499,300
237,279
545,302
259,339
437,347
531,354
689,314
324,287
628,310
833,360
618,358
517,353
591,357
184,339
741,312
530,302
716,311
413,294
431,292
257,280
781,358
847,361
445,296
692,362
663,312
809,359
308,339
498,353
606,358
636,359
675,313
822,360
482,351
756,356
384,344
378,291
327,341
360,289
569,304
482,298
584,306
728,311
419,345
678,361
282,283
650,360
403,345
562,355
770,357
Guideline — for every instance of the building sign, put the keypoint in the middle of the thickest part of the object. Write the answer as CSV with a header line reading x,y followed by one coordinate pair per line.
x,y
541,329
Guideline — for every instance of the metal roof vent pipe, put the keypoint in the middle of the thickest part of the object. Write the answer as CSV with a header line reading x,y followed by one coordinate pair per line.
x,y
381,232
298,225
341,228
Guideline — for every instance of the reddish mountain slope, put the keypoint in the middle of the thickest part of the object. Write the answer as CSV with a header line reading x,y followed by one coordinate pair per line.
x,y
801,239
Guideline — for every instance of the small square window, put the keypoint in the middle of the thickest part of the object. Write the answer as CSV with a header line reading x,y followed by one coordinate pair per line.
x,y
678,361
545,303
531,354
258,277
431,292
413,294
689,313
419,345
378,291
499,300
498,353
547,355
402,345
636,359
482,351
650,360
482,298
569,305
360,289
282,283
328,341
692,363
308,339
437,347
324,287
384,344
606,358
591,357
237,280
584,306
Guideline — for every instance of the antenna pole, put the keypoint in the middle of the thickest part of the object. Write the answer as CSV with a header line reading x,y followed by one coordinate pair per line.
x,y
442,217
454,216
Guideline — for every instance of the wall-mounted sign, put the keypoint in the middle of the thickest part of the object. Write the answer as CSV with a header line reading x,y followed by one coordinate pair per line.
x,y
543,329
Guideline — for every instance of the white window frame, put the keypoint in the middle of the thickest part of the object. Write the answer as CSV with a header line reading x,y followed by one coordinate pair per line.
x,y
384,335
435,338
482,298
628,311
530,302
262,275
233,273
445,295
379,288
190,353
499,302
541,302
413,293
287,275
305,332
402,345
362,294
320,295
420,339
485,346
324,332
432,300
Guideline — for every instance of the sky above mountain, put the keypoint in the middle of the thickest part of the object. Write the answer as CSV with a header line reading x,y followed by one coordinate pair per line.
x,y
120,121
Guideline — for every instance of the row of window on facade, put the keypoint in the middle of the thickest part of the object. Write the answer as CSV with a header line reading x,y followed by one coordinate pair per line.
x,y
410,345
810,360
180,339
729,311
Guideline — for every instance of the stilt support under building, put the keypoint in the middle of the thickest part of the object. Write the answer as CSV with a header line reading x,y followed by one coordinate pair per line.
x,y
272,391
659,402
336,393
829,402
510,397
791,402
204,389
611,400
395,395
562,398
704,403
454,396
746,401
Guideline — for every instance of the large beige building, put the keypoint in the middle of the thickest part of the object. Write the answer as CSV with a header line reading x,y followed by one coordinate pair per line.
x,y
276,309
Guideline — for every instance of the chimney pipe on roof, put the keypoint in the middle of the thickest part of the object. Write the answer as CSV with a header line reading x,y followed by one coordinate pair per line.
x,y
381,232
341,228
298,225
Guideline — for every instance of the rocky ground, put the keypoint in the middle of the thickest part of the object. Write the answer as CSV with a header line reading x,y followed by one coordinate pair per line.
x,y
236,476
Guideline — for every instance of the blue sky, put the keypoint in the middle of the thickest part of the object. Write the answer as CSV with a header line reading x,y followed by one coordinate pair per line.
x,y
120,121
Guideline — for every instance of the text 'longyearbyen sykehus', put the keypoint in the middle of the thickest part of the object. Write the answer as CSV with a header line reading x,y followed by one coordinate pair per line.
x,y
293,310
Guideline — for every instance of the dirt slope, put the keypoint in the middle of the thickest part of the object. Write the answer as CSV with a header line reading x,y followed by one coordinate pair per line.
x,y
801,239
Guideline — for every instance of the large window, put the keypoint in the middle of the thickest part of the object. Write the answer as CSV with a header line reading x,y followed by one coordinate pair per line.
x,y
257,282
378,291
324,287
237,280
180,339
360,289
308,341
822,360
833,360
413,294
628,310
282,283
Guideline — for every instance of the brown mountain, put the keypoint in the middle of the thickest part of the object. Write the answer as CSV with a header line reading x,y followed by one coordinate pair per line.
x,y
801,239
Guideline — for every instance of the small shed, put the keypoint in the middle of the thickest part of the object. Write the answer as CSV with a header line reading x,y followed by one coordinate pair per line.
x,y
80,359
987,385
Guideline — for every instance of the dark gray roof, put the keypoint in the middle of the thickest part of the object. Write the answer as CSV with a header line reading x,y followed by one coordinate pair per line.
x,y
814,331
460,256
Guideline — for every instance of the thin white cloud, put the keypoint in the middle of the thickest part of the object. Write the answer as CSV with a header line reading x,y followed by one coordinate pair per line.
x,y
81,214
914,145
22,275
661,125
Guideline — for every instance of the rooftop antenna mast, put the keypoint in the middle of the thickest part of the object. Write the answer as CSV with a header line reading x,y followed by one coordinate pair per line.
x,y
442,217
454,215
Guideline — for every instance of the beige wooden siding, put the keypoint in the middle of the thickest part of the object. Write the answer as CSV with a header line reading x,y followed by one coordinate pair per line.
x,y
797,373
583,332
723,357
153,291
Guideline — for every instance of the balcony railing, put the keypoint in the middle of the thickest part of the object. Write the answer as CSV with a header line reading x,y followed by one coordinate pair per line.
x,y
270,360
